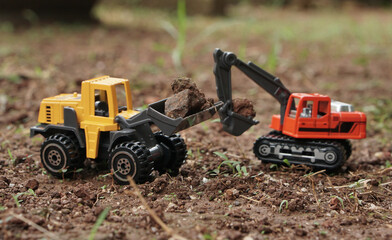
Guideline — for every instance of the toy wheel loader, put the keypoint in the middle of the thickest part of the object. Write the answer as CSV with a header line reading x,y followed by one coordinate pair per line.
x,y
100,124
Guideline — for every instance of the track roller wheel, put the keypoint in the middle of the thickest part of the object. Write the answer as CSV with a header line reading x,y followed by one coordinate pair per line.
x,y
261,148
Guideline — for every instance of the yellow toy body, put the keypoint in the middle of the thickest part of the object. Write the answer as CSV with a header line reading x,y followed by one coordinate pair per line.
x,y
100,124
93,90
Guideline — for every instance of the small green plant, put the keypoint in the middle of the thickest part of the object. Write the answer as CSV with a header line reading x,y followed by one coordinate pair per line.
x,y
222,155
340,200
388,164
287,162
190,153
324,233
209,236
274,166
357,184
11,156
104,176
98,223
16,197
281,205
355,198
170,196
273,57
234,166
179,33
63,171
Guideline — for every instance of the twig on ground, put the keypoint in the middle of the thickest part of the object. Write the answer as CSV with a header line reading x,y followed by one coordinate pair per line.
x,y
36,226
314,191
383,184
153,214
350,185
313,187
250,199
236,156
385,170
313,174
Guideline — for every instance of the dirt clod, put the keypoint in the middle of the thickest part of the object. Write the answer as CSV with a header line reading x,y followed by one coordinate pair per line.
x,y
244,107
98,210
182,83
187,99
3,184
32,184
232,194
6,180
300,232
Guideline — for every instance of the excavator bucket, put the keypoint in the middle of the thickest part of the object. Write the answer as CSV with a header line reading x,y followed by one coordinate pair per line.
x,y
234,123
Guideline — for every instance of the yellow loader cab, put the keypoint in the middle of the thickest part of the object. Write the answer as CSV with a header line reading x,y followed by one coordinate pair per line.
x,y
101,124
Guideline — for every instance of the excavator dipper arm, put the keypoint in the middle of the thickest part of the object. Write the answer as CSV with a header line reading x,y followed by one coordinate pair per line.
x,y
222,70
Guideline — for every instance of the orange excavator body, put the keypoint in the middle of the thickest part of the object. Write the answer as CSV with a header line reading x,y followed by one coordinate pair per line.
x,y
316,116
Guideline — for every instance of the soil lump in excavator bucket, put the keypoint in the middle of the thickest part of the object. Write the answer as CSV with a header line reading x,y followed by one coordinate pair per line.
x,y
244,107
187,99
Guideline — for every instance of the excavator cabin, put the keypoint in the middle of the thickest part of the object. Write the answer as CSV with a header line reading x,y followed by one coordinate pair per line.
x,y
316,116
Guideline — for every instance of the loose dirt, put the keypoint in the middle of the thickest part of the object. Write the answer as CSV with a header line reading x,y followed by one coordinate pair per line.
x,y
244,107
187,99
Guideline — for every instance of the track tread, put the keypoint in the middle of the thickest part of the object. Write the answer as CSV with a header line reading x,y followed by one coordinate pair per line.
x,y
281,139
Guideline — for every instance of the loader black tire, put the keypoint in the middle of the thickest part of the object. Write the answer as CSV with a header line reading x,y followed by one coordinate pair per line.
x,y
130,159
61,155
174,153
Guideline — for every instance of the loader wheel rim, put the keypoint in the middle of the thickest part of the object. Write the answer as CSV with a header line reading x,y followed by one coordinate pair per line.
x,y
330,157
124,165
53,157
264,150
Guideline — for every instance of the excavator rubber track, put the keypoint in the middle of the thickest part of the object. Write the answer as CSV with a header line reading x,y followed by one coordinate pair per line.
x,y
275,147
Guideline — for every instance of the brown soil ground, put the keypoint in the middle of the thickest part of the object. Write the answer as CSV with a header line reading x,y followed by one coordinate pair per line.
x,y
274,202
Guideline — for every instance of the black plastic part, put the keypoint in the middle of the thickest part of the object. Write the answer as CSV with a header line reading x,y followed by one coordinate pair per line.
x,y
124,135
70,118
222,70
130,159
234,123
155,113
174,153
347,146
48,129
60,155
276,138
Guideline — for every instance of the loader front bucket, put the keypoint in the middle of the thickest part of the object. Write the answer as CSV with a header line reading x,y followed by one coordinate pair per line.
x,y
156,112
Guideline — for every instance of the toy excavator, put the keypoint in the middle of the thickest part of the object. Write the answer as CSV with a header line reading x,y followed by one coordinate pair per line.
x,y
311,129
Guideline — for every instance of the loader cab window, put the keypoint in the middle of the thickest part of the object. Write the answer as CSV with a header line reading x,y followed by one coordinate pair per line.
x,y
121,97
101,103
307,107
